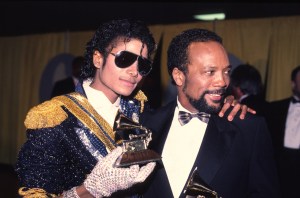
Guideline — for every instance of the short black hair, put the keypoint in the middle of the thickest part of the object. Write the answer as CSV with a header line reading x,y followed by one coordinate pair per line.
x,y
178,48
108,33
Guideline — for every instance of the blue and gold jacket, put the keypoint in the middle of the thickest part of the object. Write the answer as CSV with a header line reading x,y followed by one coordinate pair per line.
x,y
65,139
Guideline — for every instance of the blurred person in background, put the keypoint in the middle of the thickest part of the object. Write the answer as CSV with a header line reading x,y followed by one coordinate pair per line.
x,y
247,87
284,124
68,84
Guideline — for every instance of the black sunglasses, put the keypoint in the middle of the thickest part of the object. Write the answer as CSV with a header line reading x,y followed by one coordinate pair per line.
x,y
124,59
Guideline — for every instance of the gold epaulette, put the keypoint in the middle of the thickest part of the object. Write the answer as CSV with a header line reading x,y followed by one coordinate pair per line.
x,y
140,96
34,193
46,114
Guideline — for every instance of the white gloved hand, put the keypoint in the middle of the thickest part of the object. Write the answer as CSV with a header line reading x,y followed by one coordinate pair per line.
x,y
105,179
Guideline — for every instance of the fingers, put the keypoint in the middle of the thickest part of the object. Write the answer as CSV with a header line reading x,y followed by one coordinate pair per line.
x,y
237,107
133,171
113,155
224,109
229,101
244,110
233,112
251,110
145,171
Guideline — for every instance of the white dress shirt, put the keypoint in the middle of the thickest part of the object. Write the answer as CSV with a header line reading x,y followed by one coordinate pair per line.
x,y
181,148
101,103
292,127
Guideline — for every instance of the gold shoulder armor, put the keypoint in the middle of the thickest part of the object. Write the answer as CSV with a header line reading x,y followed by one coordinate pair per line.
x,y
140,96
34,192
46,114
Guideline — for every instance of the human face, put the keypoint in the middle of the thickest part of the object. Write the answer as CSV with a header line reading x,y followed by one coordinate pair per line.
x,y
114,81
208,75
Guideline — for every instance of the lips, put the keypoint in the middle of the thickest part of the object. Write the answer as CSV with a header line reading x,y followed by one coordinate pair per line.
x,y
215,97
129,82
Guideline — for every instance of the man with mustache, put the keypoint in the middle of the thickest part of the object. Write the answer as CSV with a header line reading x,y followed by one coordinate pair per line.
x,y
235,159
71,148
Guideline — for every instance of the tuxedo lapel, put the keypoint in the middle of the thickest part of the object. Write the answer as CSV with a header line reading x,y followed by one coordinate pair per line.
x,y
163,120
216,144
217,140
160,186
159,123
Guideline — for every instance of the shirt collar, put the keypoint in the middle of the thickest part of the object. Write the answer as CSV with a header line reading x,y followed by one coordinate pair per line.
x,y
180,107
97,98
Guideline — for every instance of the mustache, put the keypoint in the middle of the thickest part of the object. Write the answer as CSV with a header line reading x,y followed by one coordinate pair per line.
x,y
221,91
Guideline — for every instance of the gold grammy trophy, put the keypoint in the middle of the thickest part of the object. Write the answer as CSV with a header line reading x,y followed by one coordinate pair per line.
x,y
134,139
197,188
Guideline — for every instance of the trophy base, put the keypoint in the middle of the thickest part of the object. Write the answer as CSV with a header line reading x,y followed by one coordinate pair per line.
x,y
201,193
197,188
137,157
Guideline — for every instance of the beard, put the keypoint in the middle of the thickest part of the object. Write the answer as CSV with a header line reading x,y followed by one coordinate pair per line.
x,y
201,104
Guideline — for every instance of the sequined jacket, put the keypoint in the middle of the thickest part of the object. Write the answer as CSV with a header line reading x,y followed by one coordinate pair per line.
x,y
65,138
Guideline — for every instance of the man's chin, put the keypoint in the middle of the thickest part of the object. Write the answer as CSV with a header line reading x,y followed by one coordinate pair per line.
x,y
215,108
214,104
125,92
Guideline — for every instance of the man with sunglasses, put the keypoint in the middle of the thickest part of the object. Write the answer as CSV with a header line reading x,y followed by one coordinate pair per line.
x,y
71,149
203,154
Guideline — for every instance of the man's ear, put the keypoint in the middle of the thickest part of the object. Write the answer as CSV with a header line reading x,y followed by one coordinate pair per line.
x,y
97,59
178,76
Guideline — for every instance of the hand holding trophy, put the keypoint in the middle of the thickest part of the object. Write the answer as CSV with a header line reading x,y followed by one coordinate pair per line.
x,y
134,139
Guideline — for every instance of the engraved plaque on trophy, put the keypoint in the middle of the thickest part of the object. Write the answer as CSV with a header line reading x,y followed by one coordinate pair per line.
x,y
134,139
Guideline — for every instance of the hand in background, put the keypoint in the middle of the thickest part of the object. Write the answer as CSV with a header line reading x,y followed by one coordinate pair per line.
x,y
237,107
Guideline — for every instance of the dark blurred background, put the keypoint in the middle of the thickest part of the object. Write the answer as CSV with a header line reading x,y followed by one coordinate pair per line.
x,y
30,17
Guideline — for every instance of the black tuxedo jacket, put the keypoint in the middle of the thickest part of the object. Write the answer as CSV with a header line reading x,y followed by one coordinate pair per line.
x,y
235,158
258,103
276,119
288,160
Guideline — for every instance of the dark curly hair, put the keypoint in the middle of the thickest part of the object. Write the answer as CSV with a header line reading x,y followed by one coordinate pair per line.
x,y
108,33
178,48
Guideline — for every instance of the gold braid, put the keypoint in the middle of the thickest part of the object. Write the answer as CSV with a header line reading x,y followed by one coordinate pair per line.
x,y
35,193
140,96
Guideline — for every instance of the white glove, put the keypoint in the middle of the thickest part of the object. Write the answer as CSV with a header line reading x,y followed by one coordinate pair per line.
x,y
105,179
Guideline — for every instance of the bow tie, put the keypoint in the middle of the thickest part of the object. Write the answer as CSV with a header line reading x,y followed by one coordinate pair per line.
x,y
185,117
294,100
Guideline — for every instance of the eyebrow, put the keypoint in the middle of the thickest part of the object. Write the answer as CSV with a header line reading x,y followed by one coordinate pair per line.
x,y
214,66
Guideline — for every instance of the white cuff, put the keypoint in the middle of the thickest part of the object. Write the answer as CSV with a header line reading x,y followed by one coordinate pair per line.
x,y
72,193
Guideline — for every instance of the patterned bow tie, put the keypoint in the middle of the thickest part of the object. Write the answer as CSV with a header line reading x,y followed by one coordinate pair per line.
x,y
294,100
185,117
